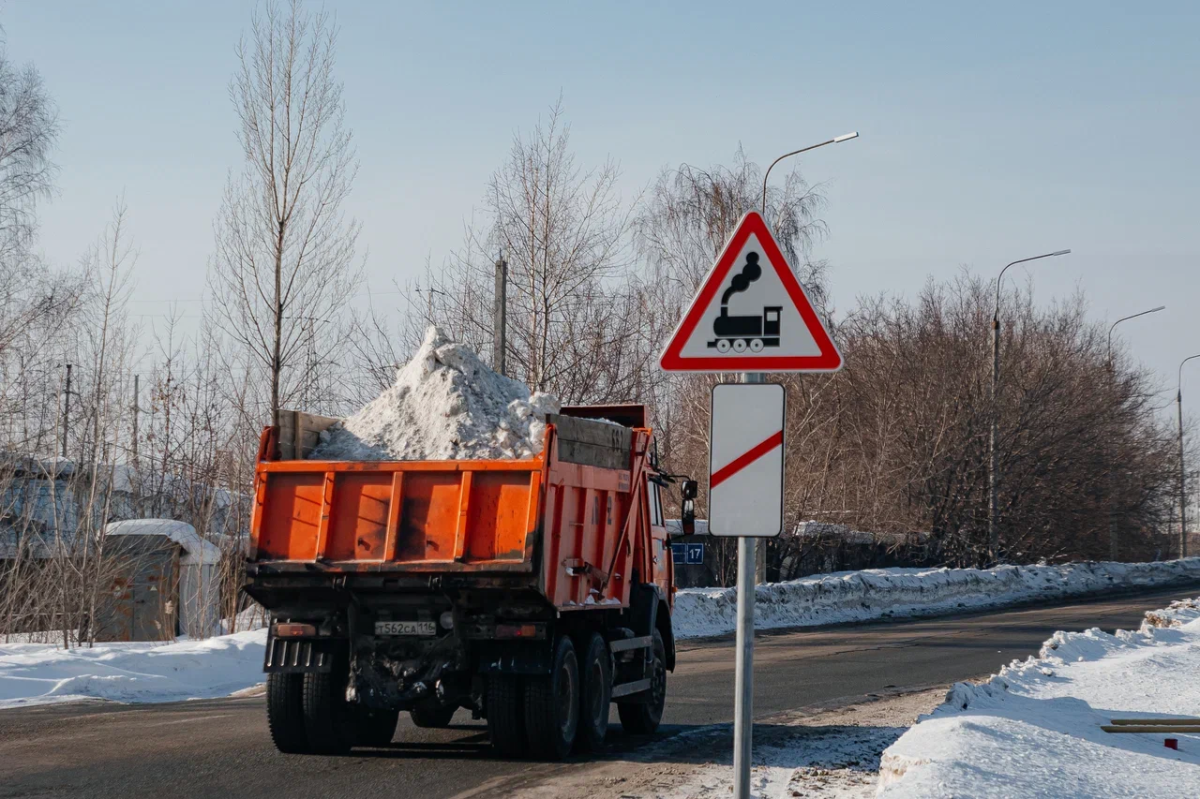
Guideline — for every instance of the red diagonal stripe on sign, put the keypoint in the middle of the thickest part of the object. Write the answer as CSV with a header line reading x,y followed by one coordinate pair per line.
x,y
742,461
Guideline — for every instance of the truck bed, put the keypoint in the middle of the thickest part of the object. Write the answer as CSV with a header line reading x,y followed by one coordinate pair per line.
x,y
562,518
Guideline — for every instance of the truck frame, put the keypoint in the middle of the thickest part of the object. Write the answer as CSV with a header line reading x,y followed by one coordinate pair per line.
x,y
531,592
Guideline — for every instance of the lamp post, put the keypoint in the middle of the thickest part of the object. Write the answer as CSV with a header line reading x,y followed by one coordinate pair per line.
x,y
1126,319
1182,473
835,140
1113,542
743,715
993,455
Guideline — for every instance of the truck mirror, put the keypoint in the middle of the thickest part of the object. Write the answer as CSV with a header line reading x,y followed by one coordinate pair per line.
x,y
688,517
690,489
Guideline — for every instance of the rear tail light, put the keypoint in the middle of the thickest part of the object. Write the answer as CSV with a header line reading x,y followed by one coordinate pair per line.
x,y
290,630
516,631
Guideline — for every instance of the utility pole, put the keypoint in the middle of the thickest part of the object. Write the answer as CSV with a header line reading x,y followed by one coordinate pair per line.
x,y
66,411
994,431
500,316
136,396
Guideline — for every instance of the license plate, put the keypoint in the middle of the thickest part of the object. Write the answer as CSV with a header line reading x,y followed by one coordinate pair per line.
x,y
405,628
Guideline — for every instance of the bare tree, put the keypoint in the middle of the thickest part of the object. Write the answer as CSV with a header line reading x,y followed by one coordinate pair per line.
x,y
285,260
574,324
28,129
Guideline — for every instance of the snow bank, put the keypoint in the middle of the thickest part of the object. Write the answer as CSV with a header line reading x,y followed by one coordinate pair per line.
x,y
1034,728
894,593
147,672
131,672
445,404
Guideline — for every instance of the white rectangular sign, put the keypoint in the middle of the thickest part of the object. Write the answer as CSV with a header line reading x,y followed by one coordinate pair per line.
x,y
745,484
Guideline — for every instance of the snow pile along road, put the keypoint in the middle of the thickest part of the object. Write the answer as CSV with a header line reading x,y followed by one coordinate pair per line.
x,y
445,404
896,593
149,672
1034,729
131,672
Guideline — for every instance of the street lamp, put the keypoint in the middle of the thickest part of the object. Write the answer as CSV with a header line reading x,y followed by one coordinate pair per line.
x,y
993,455
835,140
1113,542
1182,474
1126,319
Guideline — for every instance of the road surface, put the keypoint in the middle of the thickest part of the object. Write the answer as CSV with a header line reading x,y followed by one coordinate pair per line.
x,y
220,748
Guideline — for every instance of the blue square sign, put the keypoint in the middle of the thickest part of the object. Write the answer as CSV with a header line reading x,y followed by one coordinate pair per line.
x,y
687,554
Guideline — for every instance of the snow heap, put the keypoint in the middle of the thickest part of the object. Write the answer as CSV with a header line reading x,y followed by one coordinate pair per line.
x,y
445,404
1034,728
144,671
897,593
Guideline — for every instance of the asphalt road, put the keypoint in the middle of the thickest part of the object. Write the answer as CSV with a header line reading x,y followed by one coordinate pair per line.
x,y
220,748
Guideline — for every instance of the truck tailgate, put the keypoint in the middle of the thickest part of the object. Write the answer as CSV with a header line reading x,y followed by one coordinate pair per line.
x,y
442,516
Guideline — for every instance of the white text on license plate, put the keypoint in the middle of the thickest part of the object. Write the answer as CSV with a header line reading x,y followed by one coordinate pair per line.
x,y
405,628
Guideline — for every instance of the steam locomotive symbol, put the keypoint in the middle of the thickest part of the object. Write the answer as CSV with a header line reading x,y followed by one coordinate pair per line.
x,y
739,332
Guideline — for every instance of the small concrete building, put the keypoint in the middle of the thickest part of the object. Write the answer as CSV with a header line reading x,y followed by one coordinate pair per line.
x,y
165,583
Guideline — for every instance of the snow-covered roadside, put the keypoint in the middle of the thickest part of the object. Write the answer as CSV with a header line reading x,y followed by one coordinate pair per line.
x,y
149,672
895,593
131,672
1034,729
815,753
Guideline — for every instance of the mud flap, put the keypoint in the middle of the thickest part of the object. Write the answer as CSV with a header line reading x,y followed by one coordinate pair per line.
x,y
514,657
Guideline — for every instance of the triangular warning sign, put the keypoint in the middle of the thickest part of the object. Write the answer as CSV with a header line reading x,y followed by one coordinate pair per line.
x,y
750,315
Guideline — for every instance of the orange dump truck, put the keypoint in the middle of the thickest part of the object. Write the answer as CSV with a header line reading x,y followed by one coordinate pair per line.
x,y
532,592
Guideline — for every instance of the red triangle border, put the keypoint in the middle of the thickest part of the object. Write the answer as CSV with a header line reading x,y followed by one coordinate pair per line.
x,y
829,359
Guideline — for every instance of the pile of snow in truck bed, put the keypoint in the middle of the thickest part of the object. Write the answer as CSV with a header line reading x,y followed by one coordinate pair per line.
x,y
445,404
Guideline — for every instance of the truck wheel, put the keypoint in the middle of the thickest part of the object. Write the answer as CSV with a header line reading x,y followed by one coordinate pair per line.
x,y
433,715
376,727
505,706
643,718
328,719
596,676
552,705
285,713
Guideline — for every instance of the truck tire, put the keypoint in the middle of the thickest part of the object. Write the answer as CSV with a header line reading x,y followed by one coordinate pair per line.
x,y
643,718
285,713
435,716
376,727
505,706
596,696
328,719
552,705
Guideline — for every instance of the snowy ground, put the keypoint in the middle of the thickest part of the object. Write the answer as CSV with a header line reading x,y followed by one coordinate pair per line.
x,y
823,753
896,593
147,672
131,672
1034,729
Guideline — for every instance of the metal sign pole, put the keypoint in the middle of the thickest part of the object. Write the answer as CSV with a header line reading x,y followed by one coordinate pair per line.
x,y
743,713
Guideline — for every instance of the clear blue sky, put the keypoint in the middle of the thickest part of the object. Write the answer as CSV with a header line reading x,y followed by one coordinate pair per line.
x,y
989,132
